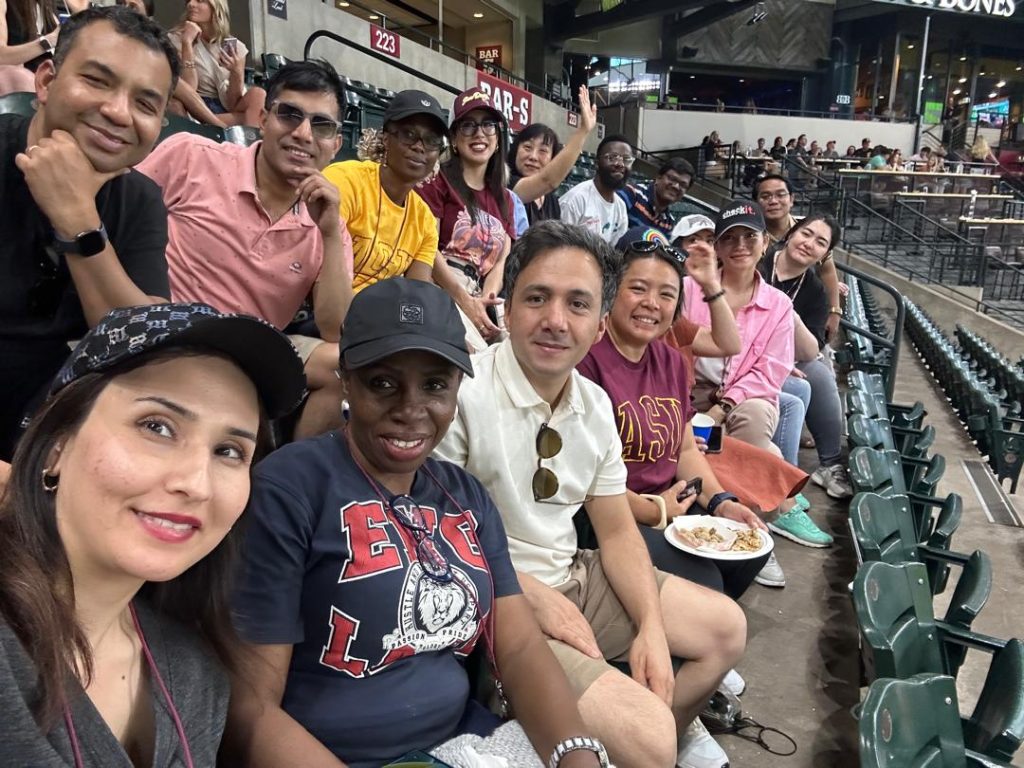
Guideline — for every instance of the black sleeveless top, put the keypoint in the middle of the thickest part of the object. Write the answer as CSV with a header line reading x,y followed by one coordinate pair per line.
x,y
17,34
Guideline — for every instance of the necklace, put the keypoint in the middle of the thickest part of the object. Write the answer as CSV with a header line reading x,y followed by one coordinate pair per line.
x,y
777,283
369,253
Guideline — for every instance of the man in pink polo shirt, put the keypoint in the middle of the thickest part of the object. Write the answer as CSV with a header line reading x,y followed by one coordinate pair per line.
x,y
256,229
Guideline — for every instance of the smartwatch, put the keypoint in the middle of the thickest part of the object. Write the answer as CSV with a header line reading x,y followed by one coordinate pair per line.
x,y
84,244
718,498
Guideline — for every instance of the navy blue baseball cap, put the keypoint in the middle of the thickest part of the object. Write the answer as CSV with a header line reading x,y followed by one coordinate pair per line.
x,y
400,314
740,213
258,348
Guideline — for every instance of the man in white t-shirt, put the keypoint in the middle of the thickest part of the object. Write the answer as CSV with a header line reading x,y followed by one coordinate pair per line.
x,y
543,441
593,204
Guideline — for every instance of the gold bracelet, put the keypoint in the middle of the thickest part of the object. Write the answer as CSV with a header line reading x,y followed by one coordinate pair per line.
x,y
836,311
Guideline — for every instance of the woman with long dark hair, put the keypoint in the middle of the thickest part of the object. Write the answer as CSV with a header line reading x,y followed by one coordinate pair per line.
x,y
27,36
539,163
474,211
117,527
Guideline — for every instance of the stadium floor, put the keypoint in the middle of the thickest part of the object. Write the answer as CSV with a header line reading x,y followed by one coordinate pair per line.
x,y
801,666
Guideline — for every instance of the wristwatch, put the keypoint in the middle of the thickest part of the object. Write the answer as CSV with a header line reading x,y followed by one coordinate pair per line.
x,y
579,742
45,44
84,244
715,501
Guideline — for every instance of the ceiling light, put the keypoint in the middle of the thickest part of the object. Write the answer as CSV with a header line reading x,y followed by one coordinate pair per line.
x,y
957,91
962,80
742,80
478,15
1018,69
374,17
693,77
343,4
910,46
981,74
930,76
1000,84
963,58
993,95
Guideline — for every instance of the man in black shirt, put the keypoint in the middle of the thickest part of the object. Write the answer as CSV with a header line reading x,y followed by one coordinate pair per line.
x,y
80,233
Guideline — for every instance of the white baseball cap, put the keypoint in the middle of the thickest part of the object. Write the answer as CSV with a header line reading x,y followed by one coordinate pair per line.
x,y
689,225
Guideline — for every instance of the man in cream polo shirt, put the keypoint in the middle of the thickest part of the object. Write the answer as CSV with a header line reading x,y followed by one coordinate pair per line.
x,y
543,441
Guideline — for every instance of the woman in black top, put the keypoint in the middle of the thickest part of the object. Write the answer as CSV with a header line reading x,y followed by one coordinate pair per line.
x,y
28,34
540,163
789,266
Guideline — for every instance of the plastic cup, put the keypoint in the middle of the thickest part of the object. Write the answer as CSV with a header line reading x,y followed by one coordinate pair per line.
x,y
702,424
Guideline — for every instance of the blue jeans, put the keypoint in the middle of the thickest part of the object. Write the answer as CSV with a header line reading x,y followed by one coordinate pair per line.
x,y
825,410
793,401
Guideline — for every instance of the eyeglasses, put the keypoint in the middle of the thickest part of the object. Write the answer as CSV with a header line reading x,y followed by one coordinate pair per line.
x,y
470,127
545,482
650,246
321,126
782,194
732,239
409,514
614,157
431,141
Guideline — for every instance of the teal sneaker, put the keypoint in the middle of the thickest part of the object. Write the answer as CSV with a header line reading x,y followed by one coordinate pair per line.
x,y
797,526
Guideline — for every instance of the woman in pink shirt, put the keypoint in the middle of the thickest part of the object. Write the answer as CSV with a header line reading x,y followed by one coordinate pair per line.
x,y
742,391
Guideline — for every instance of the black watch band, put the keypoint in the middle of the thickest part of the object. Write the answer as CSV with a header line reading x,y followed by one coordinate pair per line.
x,y
718,498
84,244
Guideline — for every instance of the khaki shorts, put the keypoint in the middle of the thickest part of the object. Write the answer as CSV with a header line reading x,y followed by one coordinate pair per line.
x,y
305,345
588,588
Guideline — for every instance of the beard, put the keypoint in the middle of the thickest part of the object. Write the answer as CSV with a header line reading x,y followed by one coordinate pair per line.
x,y
608,179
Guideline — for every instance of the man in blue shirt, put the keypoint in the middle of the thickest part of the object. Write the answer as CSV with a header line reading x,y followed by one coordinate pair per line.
x,y
648,206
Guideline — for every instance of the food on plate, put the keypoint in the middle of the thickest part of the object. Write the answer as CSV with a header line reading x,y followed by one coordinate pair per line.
x,y
747,541
715,539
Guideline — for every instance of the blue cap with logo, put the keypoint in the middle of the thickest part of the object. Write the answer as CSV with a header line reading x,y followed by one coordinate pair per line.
x,y
397,315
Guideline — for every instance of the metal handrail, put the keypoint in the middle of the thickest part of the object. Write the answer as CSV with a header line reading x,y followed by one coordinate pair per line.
x,y
897,332
465,57
703,107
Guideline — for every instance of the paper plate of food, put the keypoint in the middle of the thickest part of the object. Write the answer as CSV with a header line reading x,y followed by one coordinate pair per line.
x,y
717,538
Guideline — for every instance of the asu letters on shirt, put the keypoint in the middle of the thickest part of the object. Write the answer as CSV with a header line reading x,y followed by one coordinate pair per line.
x,y
651,400
377,645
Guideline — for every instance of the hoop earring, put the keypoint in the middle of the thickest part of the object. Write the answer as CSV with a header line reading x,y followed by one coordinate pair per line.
x,y
49,480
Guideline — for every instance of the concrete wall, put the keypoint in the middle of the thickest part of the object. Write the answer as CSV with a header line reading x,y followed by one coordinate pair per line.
x,y
493,33
670,129
943,307
271,34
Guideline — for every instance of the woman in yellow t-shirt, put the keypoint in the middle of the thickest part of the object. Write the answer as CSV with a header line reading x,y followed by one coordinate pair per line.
x,y
393,231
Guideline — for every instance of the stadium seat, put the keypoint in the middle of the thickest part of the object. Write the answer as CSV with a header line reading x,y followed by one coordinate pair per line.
x,y
881,472
902,638
19,103
176,124
915,723
245,135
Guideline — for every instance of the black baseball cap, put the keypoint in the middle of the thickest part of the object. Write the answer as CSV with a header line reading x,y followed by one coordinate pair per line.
x,y
409,103
255,346
400,314
740,213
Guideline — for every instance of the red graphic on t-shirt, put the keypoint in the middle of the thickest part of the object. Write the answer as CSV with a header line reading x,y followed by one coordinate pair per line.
x,y
336,653
370,548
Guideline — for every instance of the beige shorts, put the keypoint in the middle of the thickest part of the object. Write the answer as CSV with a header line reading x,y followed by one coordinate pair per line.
x,y
305,345
588,588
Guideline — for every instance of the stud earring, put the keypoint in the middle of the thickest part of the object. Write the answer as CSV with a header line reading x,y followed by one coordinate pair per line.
x,y
50,481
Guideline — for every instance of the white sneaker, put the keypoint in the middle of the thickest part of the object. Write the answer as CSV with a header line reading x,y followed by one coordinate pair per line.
x,y
698,750
733,683
771,574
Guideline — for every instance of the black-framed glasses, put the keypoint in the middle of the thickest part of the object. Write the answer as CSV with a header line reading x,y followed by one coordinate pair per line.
x,y
679,255
432,142
615,157
435,565
470,127
321,126
545,482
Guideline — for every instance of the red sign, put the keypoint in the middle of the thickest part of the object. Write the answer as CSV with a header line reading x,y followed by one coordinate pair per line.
x,y
572,119
384,40
489,54
513,102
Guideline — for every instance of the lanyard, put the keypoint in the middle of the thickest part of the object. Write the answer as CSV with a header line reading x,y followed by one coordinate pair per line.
x,y
76,748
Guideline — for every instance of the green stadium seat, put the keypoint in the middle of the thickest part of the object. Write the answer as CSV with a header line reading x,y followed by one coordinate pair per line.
x,y
176,124
19,103
245,135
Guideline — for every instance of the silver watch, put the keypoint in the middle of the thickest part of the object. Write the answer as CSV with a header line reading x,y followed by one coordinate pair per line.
x,y
579,742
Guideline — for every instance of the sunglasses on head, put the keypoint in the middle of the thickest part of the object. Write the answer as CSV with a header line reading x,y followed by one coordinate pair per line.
x,y
679,255
433,562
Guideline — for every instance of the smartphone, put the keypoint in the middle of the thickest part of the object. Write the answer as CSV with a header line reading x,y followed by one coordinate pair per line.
x,y
692,488
230,45
714,441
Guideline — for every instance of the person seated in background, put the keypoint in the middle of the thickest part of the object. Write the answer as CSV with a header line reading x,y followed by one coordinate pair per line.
x,y
213,63
475,214
830,152
80,234
865,149
923,159
394,233
372,571
539,163
788,266
851,151
28,34
879,158
119,523
256,229
558,449
648,385
649,206
894,161
594,204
